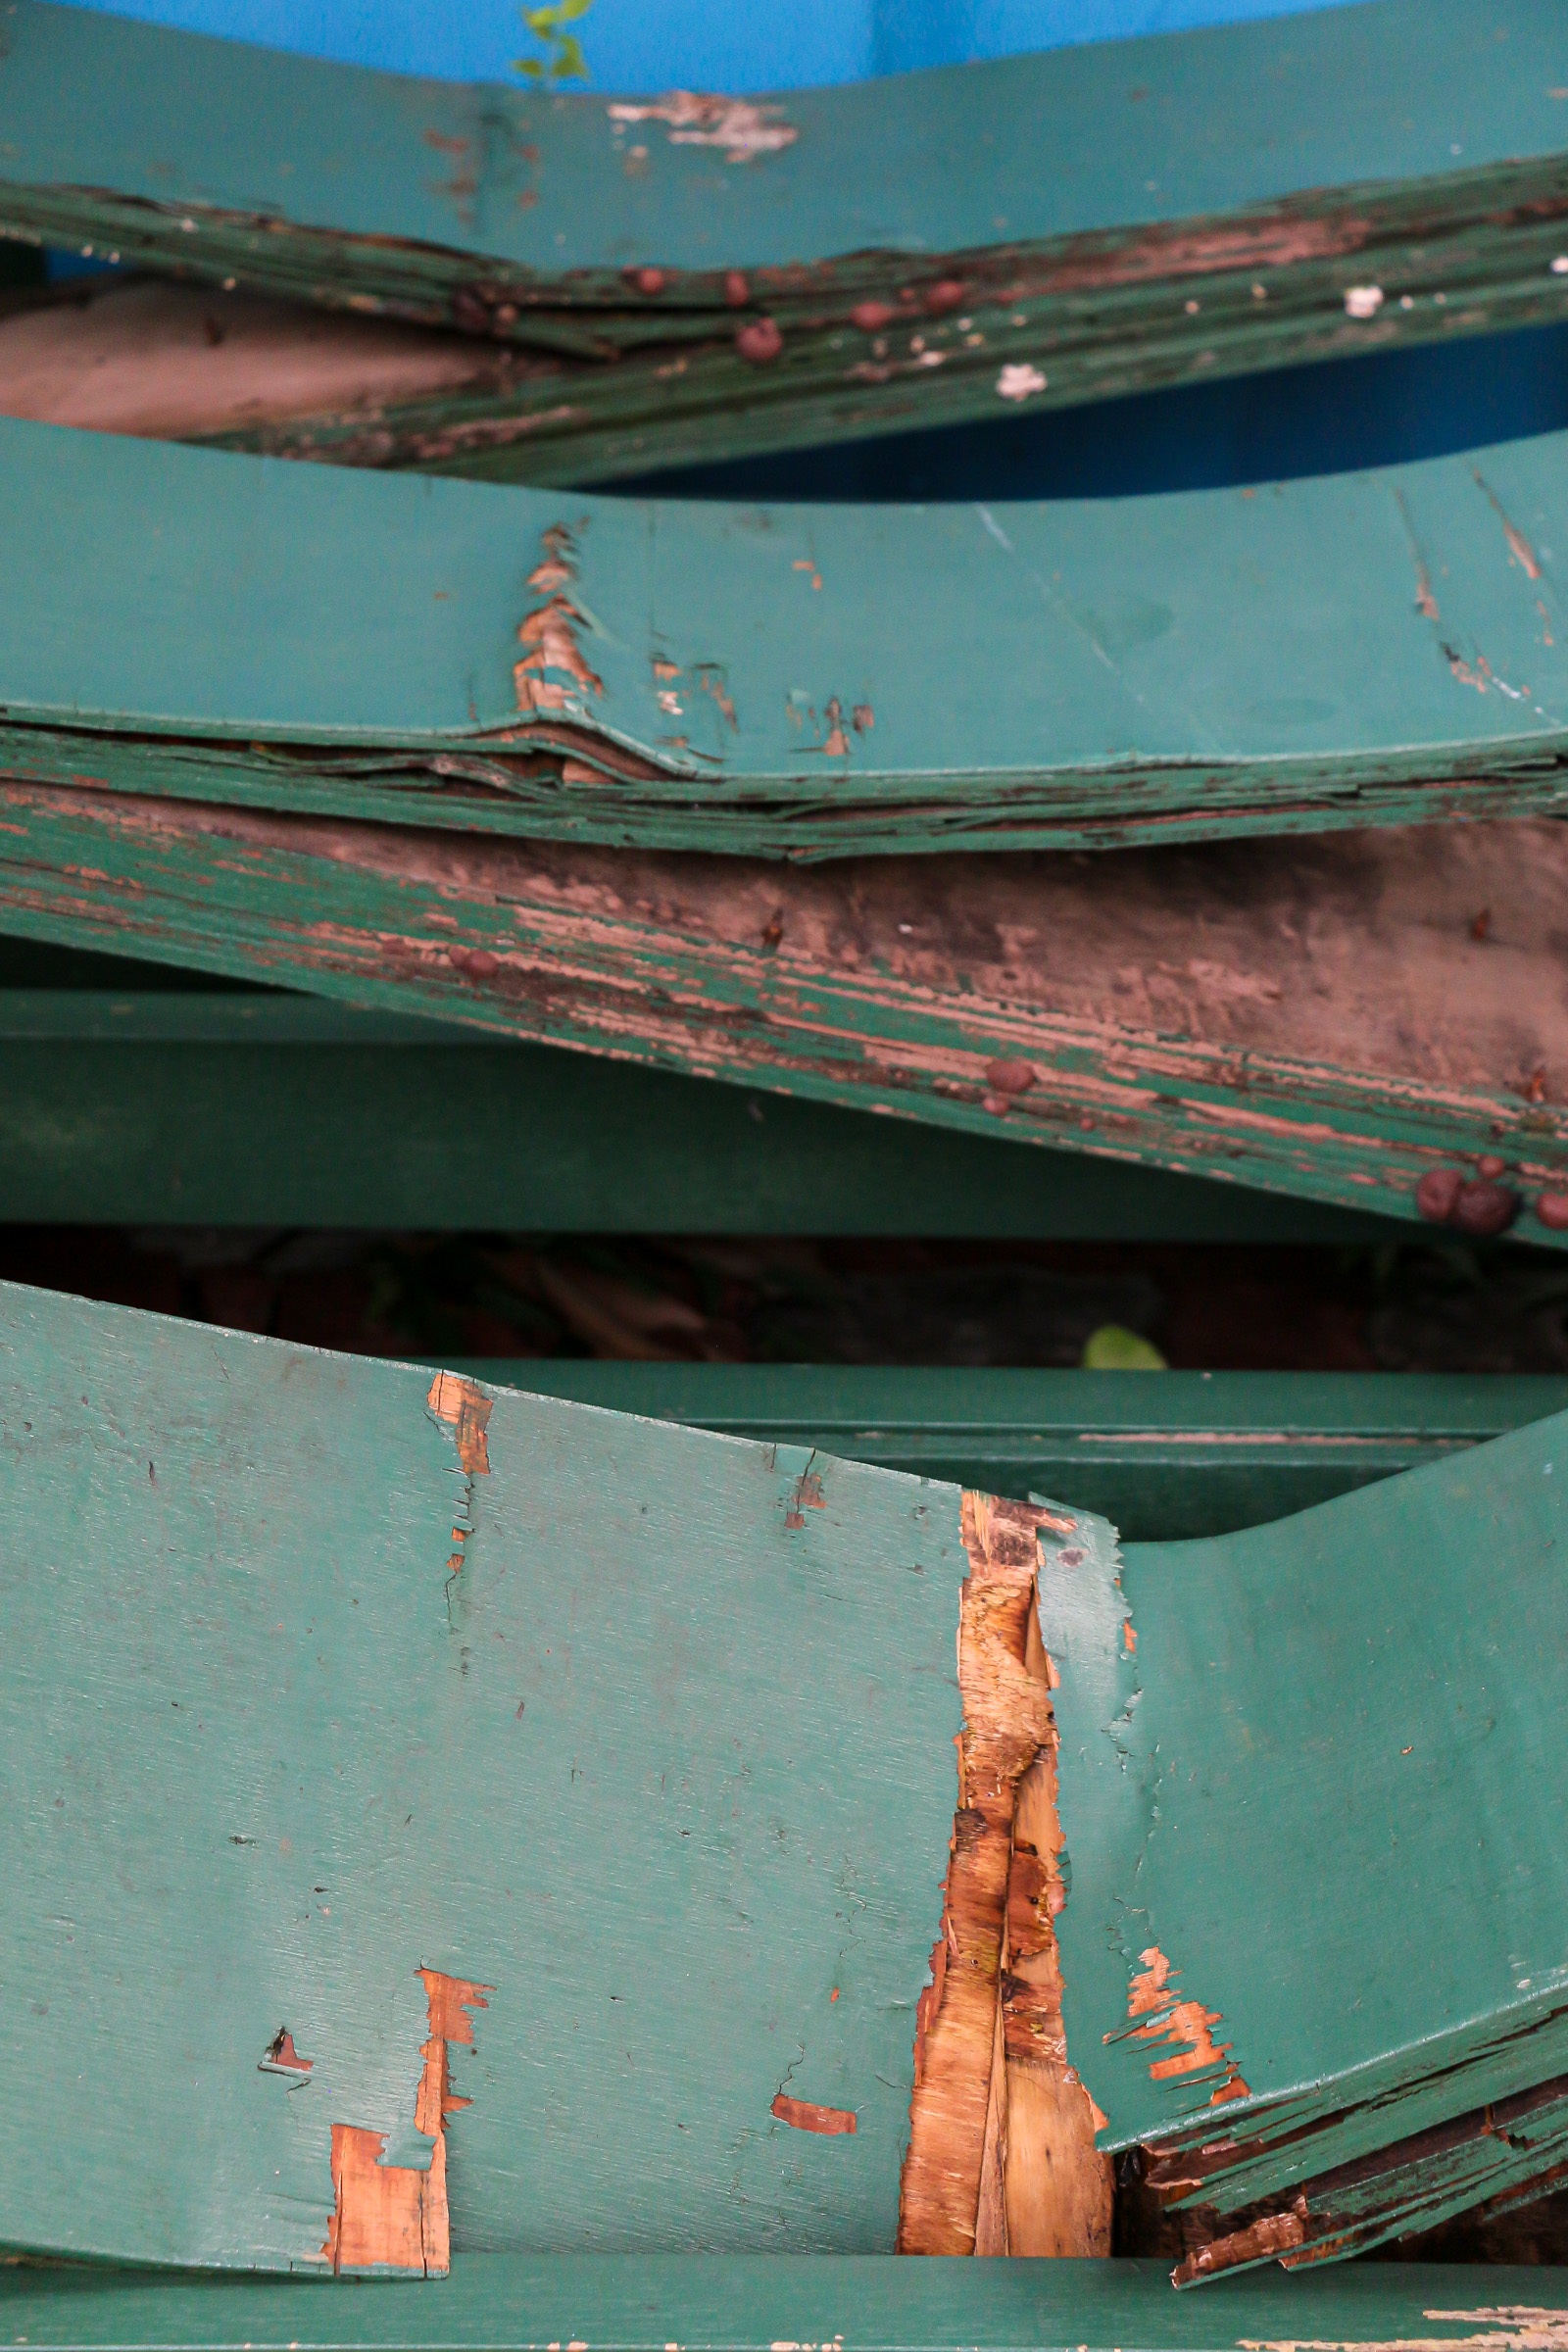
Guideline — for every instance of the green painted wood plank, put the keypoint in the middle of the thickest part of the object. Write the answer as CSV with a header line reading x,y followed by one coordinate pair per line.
x,y
801,682
1366,1686
1399,146
310,1694
700,1874
967,995
1164,1455
494,2303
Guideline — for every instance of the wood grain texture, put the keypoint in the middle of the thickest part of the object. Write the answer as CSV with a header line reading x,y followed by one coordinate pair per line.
x,y
1325,1019
955,2120
793,683
557,1862
705,275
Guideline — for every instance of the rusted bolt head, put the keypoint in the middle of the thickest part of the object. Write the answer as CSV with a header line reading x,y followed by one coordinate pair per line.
x,y
1491,1165
1437,1192
948,294
759,342
872,316
645,282
737,293
1552,1211
1009,1077
1483,1208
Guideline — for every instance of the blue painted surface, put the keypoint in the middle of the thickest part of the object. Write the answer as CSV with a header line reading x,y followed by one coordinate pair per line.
x,y
655,44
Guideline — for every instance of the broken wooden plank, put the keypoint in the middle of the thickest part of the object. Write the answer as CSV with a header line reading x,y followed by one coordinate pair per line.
x,y
444,1747
1373,1021
793,682
1356,1691
694,275
310,1661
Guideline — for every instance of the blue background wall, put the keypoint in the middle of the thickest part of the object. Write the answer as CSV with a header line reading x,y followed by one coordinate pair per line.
x,y
713,44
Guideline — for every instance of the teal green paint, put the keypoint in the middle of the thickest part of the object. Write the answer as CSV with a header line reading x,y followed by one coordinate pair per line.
x,y
498,2304
917,163
1367,1689
663,1770
1083,672
1402,144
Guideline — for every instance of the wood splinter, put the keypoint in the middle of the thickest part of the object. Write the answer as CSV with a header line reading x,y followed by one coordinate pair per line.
x,y
1002,2155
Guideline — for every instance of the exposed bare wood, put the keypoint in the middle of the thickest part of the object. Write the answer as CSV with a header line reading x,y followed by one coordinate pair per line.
x,y
153,359
1006,1721
392,2217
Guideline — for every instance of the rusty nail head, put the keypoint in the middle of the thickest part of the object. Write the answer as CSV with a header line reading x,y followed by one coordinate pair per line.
x,y
759,342
1552,1211
1436,1194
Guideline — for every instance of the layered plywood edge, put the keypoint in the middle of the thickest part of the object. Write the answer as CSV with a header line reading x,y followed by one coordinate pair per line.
x,y
791,682
690,275
1378,1020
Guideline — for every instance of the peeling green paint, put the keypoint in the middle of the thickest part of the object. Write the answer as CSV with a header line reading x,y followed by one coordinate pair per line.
x,y
709,276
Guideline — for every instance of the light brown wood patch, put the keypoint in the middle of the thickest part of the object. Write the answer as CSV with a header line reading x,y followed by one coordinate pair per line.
x,y
1007,1720
468,1409
391,2216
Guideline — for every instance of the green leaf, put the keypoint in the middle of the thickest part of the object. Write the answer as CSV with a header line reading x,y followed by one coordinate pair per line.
x,y
1115,1349
570,63
529,66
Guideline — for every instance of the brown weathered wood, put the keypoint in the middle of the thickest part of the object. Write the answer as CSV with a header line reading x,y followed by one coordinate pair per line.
x,y
1380,1019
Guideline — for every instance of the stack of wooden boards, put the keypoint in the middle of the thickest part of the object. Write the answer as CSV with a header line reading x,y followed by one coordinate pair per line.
x,y
644,281
591,772
481,1884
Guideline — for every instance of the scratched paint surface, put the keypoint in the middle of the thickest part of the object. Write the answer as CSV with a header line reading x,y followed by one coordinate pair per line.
x,y
1312,1788
673,1776
1180,124
797,680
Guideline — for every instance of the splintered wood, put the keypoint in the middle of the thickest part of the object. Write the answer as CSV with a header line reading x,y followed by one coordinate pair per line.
x,y
1001,2156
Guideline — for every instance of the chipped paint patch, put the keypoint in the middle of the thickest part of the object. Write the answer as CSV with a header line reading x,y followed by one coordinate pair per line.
x,y
832,2123
1496,2328
1018,380
550,632
742,126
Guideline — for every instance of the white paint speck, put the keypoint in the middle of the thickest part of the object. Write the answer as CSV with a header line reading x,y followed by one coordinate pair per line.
x,y
1559,268
1018,380
1362,302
